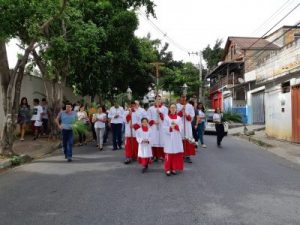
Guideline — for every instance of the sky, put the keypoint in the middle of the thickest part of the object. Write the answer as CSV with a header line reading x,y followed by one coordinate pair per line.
x,y
193,24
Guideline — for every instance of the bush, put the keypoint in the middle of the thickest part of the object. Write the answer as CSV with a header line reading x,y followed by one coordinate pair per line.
x,y
232,117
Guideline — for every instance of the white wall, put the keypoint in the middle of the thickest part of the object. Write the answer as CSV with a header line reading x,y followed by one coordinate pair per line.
x,y
32,87
278,123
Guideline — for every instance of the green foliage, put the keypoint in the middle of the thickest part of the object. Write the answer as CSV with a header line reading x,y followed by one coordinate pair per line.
x,y
213,55
80,127
232,117
16,160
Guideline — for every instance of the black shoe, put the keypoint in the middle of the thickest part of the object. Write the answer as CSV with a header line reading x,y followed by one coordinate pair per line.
x,y
34,138
174,172
127,161
101,149
115,149
144,169
69,160
168,173
188,160
120,148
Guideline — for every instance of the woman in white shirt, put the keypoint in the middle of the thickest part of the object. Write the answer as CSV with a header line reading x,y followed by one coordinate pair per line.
x,y
200,125
217,118
100,119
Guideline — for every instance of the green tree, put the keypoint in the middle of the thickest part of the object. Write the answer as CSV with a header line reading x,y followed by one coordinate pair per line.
x,y
28,21
213,56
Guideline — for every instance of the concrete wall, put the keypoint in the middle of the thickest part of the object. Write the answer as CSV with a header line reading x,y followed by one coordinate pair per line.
x,y
32,87
278,122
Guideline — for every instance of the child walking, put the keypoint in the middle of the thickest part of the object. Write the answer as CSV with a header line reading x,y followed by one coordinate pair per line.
x,y
143,137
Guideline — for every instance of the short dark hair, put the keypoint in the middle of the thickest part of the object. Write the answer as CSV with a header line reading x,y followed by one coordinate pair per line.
x,y
36,100
132,103
144,118
44,100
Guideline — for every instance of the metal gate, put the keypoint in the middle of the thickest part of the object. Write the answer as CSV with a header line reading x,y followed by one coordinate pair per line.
x,y
296,113
258,107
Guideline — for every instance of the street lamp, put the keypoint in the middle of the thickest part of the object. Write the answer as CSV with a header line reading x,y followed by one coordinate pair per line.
x,y
184,89
129,93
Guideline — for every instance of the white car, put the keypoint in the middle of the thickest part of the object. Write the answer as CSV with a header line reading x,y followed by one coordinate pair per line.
x,y
210,125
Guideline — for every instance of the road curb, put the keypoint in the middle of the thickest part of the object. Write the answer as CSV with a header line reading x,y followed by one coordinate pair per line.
x,y
22,159
254,140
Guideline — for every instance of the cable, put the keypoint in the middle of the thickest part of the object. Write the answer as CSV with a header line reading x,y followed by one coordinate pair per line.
x,y
274,26
278,11
163,33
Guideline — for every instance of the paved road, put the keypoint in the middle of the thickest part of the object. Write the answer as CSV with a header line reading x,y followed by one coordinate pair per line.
x,y
236,185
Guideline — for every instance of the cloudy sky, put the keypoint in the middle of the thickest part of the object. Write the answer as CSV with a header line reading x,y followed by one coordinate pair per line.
x,y
193,24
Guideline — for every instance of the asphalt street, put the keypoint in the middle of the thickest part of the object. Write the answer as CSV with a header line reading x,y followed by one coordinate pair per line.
x,y
239,184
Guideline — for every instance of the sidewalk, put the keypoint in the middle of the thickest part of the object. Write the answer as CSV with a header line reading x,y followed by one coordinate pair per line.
x,y
30,149
284,149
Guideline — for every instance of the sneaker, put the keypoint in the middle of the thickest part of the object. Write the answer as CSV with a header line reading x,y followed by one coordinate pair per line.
x,y
203,146
127,161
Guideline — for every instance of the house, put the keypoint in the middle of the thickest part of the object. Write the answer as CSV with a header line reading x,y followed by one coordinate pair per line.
x,y
276,95
228,89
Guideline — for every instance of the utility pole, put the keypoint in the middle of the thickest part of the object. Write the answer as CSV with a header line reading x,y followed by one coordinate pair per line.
x,y
200,75
157,66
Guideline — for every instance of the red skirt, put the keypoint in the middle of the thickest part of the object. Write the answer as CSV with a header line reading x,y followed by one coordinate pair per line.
x,y
189,149
158,152
173,161
131,151
144,161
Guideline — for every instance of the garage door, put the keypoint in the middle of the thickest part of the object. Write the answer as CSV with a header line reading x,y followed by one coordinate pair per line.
x,y
258,107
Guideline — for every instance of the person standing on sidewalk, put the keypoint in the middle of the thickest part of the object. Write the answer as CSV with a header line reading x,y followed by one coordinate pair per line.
x,y
217,118
37,118
116,114
173,147
23,117
200,124
83,117
100,119
64,121
45,116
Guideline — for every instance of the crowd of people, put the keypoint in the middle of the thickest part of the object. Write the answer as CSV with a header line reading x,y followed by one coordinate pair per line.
x,y
170,134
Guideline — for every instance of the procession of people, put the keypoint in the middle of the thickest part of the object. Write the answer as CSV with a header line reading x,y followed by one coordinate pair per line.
x,y
148,134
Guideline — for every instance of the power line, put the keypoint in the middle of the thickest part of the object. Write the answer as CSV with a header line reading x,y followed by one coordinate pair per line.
x,y
278,11
274,26
165,35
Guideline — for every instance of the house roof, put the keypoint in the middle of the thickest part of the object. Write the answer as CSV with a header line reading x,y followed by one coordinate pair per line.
x,y
251,43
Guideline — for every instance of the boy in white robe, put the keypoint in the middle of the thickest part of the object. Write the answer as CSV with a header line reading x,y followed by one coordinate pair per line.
x,y
143,137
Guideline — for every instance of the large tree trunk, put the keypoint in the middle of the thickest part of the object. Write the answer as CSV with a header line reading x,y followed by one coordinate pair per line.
x,y
11,82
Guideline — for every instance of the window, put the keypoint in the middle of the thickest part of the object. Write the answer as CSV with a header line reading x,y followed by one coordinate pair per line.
x,y
286,87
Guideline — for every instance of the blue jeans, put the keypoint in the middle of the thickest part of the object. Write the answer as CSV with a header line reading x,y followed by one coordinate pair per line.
x,y
117,134
68,139
200,132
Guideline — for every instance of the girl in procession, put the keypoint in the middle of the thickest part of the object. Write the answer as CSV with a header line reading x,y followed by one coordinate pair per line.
x,y
200,125
99,120
217,118
157,114
144,140
186,112
132,124
173,147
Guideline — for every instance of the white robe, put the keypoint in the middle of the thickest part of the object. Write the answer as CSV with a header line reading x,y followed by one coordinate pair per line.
x,y
145,149
173,139
190,111
135,120
157,129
